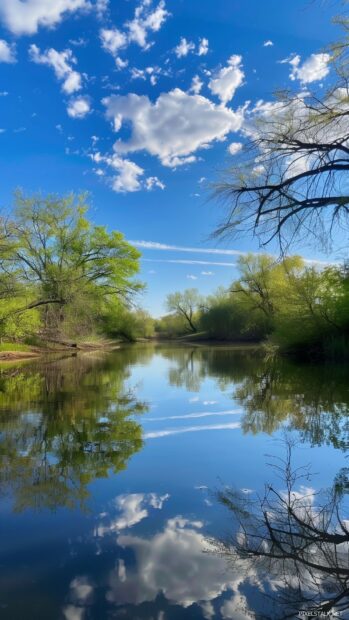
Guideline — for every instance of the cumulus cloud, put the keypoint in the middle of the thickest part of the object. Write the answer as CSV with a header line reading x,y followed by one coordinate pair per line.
x,y
127,175
113,40
7,52
191,277
132,508
228,79
174,127
26,17
145,21
184,47
268,43
235,147
79,107
161,561
196,85
203,47
152,182
61,63
313,69
143,74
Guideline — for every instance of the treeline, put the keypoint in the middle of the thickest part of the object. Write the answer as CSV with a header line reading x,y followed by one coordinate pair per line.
x,y
301,308
61,277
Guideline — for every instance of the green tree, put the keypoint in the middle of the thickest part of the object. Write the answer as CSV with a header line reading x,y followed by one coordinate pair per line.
x,y
64,261
64,423
186,304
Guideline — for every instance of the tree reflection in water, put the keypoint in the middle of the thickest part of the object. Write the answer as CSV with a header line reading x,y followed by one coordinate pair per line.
x,y
296,541
64,423
274,392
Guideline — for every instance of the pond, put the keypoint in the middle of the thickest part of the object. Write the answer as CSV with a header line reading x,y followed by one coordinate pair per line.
x,y
110,464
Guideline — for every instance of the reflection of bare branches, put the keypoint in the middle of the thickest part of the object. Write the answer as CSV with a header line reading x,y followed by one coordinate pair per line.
x,y
295,542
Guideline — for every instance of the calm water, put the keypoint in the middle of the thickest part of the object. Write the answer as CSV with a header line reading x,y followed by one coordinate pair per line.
x,y
110,464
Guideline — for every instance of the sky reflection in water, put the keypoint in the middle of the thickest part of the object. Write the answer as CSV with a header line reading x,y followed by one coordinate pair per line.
x,y
109,464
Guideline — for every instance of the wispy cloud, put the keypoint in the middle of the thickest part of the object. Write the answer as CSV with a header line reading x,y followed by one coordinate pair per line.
x,y
188,262
164,247
192,429
154,245
200,414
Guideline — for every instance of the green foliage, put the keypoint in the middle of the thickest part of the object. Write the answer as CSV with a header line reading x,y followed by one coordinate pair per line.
x,y
171,326
17,325
300,308
187,305
58,270
119,321
62,425
227,318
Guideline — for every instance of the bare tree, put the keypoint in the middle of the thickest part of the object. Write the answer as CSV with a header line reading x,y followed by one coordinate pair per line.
x,y
298,543
290,180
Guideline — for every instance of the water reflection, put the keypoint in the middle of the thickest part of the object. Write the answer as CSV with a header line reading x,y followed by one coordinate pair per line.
x,y
142,549
297,540
64,423
313,400
172,573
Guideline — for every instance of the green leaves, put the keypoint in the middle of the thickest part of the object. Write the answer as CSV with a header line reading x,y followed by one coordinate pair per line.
x,y
56,253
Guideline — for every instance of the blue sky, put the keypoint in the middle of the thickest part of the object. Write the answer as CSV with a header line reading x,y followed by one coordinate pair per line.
x,y
138,103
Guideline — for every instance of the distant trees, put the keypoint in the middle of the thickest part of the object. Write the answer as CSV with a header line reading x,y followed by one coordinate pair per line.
x,y
53,259
299,307
185,304
290,180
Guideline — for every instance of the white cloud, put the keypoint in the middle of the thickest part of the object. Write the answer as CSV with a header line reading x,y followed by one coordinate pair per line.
x,y
235,147
203,47
128,177
191,277
138,74
155,245
268,43
191,429
196,85
228,79
312,69
79,107
146,20
152,182
73,612
143,74
61,63
188,262
26,17
197,122
207,273
161,561
7,52
200,414
132,508
112,40
184,47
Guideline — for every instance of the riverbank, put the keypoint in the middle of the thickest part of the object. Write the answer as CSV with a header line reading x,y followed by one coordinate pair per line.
x,y
18,351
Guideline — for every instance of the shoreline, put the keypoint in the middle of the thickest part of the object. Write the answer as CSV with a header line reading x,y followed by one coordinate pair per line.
x,y
37,352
